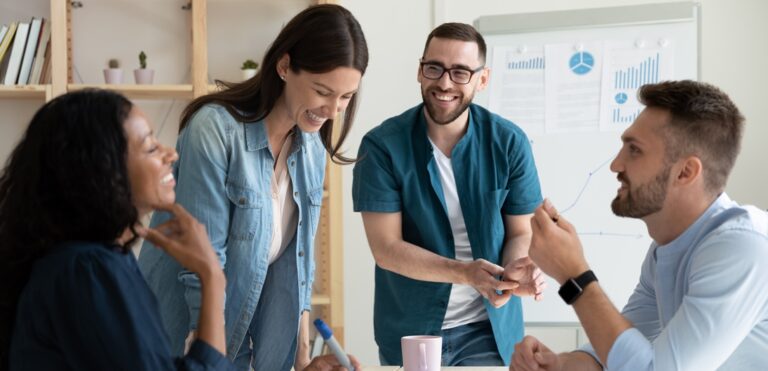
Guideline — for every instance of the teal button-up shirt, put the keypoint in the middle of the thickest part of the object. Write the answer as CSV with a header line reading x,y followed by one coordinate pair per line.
x,y
495,176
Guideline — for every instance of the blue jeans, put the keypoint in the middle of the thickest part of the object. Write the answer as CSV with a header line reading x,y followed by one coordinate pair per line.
x,y
468,345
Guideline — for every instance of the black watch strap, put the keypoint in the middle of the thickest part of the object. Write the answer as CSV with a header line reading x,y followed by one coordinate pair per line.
x,y
574,287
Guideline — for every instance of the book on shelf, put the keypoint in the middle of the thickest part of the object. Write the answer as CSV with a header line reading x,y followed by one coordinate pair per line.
x,y
45,74
29,51
5,44
17,51
3,31
42,45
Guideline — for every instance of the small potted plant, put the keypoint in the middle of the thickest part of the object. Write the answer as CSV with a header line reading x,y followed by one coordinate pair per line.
x,y
143,75
249,69
113,74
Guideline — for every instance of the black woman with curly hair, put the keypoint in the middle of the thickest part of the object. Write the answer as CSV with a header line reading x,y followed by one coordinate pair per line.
x,y
71,197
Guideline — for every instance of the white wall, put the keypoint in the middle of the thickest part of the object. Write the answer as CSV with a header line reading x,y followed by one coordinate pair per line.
x,y
734,55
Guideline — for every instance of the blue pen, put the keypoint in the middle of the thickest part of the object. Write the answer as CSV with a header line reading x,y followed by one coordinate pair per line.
x,y
327,335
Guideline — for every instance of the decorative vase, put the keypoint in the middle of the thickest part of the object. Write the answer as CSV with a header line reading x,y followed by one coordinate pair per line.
x,y
113,76
249,73
143,75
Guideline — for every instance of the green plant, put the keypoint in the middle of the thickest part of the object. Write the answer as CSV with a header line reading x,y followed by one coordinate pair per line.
x,y
249,64
113,63
143,60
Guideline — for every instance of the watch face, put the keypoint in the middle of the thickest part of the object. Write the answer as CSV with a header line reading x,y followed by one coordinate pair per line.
x,y
572,289
569,291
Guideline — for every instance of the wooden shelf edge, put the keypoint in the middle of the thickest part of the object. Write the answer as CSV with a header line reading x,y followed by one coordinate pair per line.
x,y
23,91
321,300
183,91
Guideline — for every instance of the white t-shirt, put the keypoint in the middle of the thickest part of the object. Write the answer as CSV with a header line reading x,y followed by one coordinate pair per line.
x,y
465,304
284,214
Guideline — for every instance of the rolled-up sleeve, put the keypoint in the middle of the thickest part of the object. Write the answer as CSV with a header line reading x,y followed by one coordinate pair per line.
x,y
374,186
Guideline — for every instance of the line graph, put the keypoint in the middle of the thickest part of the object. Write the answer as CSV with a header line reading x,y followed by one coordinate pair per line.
x,y
584,187
586,184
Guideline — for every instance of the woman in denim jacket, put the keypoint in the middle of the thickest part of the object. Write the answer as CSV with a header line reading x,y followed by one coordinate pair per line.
x,y
251,168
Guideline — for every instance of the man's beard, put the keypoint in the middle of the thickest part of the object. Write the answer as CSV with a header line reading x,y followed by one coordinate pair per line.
x,y
446,118
645,200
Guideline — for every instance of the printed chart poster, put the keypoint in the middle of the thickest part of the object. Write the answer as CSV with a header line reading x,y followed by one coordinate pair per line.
x,y
516,89
626,69
572,86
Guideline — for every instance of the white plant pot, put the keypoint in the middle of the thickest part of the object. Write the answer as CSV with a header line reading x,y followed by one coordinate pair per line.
x,y
143,76
113,76
249,73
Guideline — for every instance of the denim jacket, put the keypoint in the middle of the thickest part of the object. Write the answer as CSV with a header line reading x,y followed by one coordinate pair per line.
x,y
223,178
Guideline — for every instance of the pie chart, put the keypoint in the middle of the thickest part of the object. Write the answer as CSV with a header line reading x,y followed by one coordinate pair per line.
x,y
581,63
621,98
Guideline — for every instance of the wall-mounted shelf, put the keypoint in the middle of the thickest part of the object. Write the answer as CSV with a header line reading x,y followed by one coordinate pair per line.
x,y
143,91
42,92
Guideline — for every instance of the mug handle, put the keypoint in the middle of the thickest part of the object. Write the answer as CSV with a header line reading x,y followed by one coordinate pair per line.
x,y
423,357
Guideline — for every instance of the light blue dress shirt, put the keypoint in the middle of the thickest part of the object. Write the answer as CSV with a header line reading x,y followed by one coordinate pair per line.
x,y
702,302
224,178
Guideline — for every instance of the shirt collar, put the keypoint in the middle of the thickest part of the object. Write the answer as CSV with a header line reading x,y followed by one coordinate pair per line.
x,y
256,136
420,130
683,241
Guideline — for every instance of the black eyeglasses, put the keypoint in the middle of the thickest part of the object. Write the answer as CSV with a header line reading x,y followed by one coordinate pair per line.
x,y
459,75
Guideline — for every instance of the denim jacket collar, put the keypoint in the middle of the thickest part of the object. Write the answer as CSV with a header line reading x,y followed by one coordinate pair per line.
x,y
256,136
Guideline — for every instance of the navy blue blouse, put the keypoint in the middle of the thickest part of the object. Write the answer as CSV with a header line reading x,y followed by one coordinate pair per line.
x,y
86,307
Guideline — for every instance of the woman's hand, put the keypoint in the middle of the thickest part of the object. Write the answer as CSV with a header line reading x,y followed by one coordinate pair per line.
x,y
185,239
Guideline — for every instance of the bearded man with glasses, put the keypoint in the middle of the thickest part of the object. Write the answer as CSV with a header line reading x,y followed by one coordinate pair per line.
x,y
446,191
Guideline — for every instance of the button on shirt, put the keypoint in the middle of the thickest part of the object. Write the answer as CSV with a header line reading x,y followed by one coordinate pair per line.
x,y
495,176
701,303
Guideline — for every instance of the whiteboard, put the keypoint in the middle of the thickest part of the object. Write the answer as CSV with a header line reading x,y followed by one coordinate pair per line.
x,y
574,166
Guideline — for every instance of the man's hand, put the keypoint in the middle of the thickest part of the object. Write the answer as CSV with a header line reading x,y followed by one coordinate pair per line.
x,y
524,272
555,247
329,362
532,355
481,274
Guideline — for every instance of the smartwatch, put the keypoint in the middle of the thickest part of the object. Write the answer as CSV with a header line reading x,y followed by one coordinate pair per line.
x,y
574,287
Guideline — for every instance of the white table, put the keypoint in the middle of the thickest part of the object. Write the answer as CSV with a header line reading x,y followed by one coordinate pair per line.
x,y
396,368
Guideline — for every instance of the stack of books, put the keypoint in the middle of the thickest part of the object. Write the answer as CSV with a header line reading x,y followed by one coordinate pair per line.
x,y
25,52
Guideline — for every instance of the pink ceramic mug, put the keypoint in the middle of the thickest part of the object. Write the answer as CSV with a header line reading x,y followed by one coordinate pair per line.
x,y
421,352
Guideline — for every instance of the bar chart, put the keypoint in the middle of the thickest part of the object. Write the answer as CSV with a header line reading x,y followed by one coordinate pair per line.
x,y
535,63
620,117
647,72
628,69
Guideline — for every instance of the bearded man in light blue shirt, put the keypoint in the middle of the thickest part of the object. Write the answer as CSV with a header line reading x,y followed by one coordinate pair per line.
x,y
701,303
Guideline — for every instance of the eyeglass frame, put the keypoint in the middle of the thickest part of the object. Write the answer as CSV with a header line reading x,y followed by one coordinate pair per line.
x,y
445,69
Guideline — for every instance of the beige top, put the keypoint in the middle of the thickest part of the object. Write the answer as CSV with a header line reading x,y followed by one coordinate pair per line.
x,y
284,211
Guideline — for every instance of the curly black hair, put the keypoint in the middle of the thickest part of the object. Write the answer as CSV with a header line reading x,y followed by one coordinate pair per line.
x,y
66,180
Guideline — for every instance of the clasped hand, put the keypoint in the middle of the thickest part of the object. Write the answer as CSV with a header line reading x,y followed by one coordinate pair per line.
x,y
520,277
527,275
555,246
